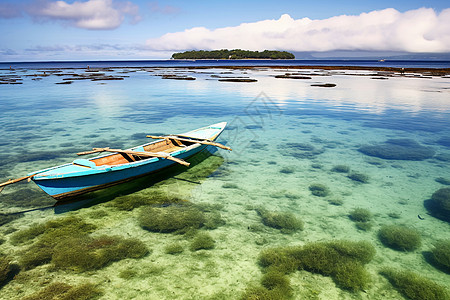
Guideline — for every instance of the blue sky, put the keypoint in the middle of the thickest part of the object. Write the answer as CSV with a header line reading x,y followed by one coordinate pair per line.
x,y
33,30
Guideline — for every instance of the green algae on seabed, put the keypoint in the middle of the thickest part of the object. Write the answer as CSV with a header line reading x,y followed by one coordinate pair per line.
x,y
342,260
300,150
358,177
64,291
66,244
275,279
319,190
287,222
414,286
400,237
362,218
336,201
202,241
174,218
394,215
83,254
287,170
274,285
174,248
53,230
156,197
441,254
262,293
360,215
340,169
128,273
365,226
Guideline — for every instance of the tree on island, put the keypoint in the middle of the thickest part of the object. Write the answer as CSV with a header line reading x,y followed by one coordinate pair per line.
x,y
233,54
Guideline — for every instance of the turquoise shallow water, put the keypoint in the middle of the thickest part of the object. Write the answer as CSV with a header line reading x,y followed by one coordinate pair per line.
x,y
286,135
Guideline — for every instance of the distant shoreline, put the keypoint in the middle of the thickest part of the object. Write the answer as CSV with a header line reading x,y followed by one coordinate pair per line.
x,y
233,54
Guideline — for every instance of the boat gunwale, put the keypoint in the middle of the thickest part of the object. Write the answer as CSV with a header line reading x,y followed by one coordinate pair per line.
x,y
106,168
71,194
37,173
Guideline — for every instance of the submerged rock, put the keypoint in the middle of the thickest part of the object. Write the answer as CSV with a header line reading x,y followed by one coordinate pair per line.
x,y
291,76
177,77
401,149
238,80
324,84
110,77
228,77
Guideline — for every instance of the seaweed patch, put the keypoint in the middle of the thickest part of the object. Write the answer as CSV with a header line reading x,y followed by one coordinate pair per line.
x,y
300,150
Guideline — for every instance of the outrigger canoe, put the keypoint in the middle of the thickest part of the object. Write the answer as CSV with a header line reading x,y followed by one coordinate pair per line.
x,y
86,175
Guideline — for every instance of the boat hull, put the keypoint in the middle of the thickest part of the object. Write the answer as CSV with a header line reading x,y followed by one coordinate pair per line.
x,y
67,181
74,186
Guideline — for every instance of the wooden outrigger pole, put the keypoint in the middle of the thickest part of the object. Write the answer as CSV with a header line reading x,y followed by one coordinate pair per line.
x,y
190,139
11,181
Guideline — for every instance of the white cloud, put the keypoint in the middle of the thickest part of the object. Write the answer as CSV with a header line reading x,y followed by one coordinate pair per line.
x,y
91,14
420,30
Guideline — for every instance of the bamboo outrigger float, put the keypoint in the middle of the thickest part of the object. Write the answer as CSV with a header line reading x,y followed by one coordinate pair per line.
x,y
86,175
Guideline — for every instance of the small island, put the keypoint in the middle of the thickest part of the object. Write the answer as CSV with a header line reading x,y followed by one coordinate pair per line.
x,y
233,54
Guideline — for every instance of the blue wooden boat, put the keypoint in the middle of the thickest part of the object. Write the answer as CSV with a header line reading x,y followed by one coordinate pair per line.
x,y
86,175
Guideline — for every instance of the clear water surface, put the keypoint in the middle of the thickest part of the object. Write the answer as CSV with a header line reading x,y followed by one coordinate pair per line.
x,y
286,135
